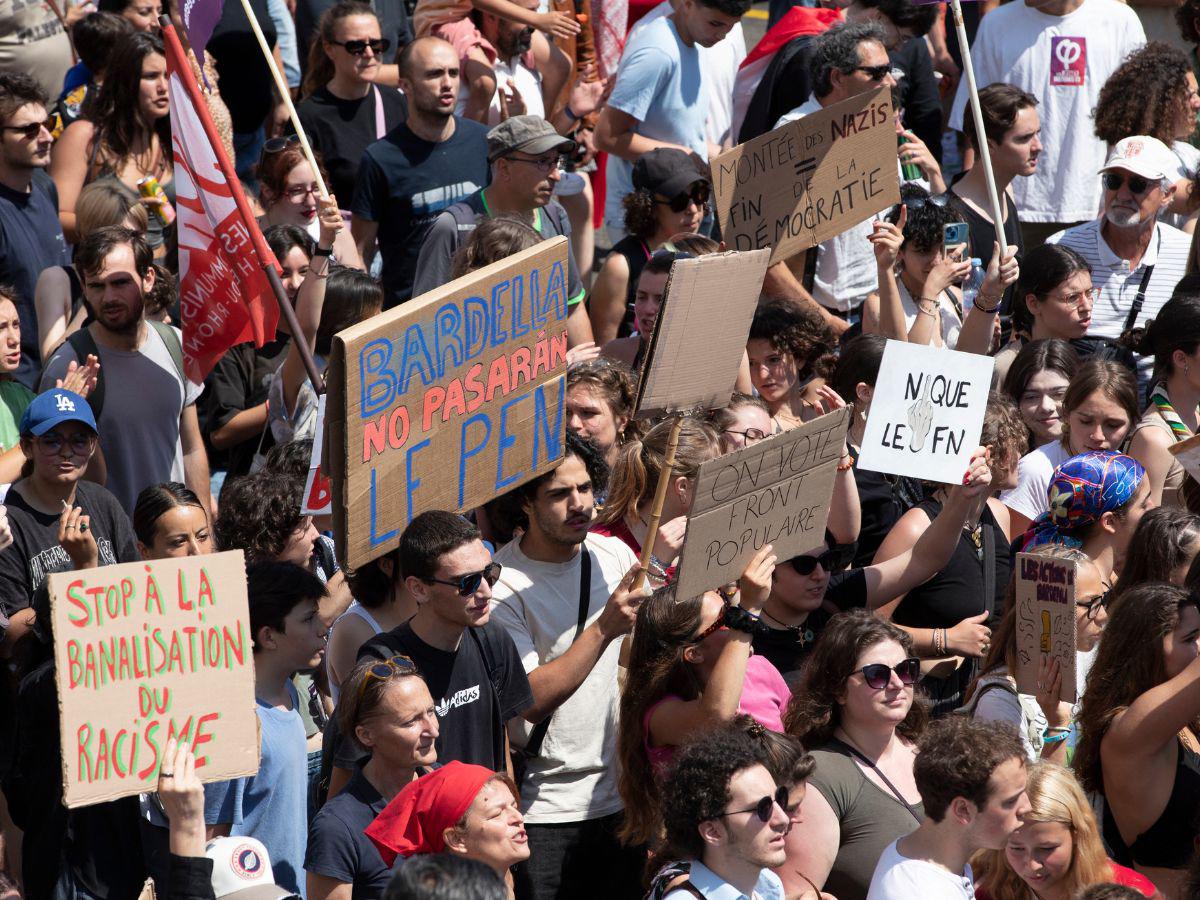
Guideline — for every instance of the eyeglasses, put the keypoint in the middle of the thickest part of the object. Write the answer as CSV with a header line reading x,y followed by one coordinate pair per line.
x,y
875,73
545,164
385,669
358,48
296,194
1076,298
79,442
33,129
806,565
764,807
714,627
878,675
1137,184
1093,605
678,203
469,583
750,435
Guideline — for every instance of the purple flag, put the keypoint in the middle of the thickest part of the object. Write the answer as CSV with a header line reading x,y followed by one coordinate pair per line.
x,y
200,17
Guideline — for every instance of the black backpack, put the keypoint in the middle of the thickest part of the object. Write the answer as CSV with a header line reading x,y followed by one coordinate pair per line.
x,y
84,345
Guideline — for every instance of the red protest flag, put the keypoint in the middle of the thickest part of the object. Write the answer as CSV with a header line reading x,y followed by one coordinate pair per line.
x,y
224,295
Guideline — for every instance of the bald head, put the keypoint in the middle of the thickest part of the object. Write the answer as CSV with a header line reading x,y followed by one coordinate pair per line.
x,y
429,75
415,55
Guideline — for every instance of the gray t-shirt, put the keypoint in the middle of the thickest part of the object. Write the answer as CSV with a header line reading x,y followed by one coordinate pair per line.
x,y
144,398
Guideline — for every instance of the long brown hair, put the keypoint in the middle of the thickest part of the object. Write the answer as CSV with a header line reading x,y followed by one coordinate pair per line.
x,y
320,66
665,626
1129,662
1112,379
814,712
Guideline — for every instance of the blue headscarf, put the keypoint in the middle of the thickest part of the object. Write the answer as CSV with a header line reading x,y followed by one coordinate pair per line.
x,y
1083,489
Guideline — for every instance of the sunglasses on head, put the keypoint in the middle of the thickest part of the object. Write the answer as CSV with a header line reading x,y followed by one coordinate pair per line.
x,y
698,195
33,129
806,565
878,675
1137,184
469,583
358,48
385,669
764,807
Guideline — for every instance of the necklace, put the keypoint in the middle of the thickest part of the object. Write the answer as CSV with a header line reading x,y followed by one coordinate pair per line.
x,y
802,634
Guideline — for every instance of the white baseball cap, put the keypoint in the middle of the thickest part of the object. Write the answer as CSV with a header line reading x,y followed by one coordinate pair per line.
x,y
1142,155
242,869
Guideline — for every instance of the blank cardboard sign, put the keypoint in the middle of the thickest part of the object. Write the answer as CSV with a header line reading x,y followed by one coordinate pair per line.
x,y
774,492
808,180
448,400
1045,621
146,651
700,337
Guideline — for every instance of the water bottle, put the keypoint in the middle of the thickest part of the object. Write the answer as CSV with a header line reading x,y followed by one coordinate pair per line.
x,y
970,288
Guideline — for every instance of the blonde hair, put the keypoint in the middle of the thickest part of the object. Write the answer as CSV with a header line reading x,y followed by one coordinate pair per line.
x,y
1054,796
109,202
634,476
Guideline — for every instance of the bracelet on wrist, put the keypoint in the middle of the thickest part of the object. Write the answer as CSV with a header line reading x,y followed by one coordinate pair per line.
x,y
845,464
995,301
742,620
1054,738
323,251
571,113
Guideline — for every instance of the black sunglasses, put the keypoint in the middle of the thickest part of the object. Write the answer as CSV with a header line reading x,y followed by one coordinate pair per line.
x,y
1094,605
764,807
678,203
875,73
469,583
806,565
33,129
358,48
1137,184
877,675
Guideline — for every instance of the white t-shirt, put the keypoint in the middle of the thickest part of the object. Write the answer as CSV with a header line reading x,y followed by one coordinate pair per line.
x,y
574,778
1063,61
1188,158
951,325
1034,472
899,878
527,81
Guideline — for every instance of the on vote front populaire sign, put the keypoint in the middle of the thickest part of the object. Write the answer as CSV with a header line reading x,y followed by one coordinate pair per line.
x,y
811,179
448,400
926,413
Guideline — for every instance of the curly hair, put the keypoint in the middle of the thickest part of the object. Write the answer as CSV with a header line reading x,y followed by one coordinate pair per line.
x,y
798,330
639,213
257,514
1003,428
925,228
508,510
697,788
956,758
612,381
814,712
291,458
1187,17
1145,95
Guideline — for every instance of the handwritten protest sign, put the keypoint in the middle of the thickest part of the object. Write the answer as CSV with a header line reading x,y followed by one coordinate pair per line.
x,y
774,492
318,495
810,179
148,651
448,400
926,413
1045,621
700,337
1188,454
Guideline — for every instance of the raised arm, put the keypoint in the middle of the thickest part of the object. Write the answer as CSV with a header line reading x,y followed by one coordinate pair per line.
x,y
310,301
887,239
979,322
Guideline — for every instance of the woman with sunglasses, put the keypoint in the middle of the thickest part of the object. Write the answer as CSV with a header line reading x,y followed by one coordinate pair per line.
x,y
969,589
346,108
1173,338
1043,720
1139,747
790,350
856,712
387,708
669,196
289,194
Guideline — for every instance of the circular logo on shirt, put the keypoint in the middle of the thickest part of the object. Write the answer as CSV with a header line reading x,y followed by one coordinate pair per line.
x,y
247,863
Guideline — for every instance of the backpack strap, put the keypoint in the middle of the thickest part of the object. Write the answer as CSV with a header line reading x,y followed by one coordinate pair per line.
x,y
84,346
171,338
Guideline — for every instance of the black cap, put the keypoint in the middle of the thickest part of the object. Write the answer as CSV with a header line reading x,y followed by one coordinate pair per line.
x,y
667,172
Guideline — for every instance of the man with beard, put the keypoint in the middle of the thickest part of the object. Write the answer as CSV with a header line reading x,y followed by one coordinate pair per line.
x,y
421,167
565,596
1136,260
31,237
144,405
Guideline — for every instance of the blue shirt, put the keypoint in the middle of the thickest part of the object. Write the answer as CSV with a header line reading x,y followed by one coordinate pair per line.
x,y
661,84
271,806
714,887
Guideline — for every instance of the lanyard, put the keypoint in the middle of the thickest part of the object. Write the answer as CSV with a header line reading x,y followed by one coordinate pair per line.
x,y
874,768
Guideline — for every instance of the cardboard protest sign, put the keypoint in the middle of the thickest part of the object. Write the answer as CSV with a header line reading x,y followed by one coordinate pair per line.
x,y
926,413
1188,454
148,651
808,180
318,495
774,492
448,400
700,337
1045,621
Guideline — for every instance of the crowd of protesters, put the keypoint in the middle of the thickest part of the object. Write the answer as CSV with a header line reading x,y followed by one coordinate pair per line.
x,y
511,703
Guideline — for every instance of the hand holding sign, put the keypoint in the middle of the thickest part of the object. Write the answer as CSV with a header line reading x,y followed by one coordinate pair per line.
x,y
754,587
1049,693
182,796
620,612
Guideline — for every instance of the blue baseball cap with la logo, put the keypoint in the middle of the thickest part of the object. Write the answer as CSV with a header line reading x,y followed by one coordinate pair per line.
x,y
54,407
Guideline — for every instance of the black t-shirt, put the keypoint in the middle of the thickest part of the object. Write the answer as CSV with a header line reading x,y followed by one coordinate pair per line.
x,y
404,184
393,25
983,236
787,649
476,689
917,93
636,254
238,382
342,130
245,79
786,84
883,499
36,552
31,240
848,589
337,847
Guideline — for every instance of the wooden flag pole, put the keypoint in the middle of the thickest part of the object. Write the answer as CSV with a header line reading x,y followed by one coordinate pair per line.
x,y
985,157
285,93
660,497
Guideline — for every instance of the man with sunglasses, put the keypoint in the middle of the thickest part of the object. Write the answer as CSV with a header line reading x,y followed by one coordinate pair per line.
x,y
1136,260
526,156
31,237
722,808
566,598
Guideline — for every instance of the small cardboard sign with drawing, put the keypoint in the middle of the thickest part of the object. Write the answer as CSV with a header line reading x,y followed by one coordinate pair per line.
x,y
1045,621
926,413
145,652
811,179
774,492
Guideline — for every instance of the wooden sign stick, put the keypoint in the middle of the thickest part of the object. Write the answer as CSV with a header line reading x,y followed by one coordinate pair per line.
x,y
660,497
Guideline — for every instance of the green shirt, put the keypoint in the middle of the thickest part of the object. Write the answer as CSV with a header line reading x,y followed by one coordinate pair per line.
x,y
14,397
